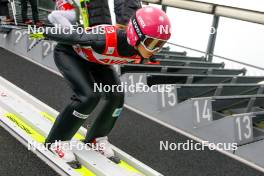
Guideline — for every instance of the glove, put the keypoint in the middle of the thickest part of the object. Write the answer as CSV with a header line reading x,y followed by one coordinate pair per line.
x,y
38,35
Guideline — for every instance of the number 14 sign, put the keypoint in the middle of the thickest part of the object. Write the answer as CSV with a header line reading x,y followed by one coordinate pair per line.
x,y
203,112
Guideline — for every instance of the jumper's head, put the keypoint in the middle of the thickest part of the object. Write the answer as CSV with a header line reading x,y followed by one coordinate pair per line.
x,y
148,30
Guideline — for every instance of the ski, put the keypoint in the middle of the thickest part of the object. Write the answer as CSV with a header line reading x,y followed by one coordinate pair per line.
x,y
13,6
19,26
10,26
26,116
6,28
84,13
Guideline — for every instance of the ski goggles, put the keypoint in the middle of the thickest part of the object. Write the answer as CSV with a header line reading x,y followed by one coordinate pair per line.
x,y
152,44
149,43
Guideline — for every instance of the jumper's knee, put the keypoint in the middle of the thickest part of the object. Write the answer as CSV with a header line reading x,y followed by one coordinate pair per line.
x,y
84,105
55,17
51,19
88,100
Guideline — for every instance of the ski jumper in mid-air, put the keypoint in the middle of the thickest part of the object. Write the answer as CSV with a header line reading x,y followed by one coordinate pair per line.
x,y
87,59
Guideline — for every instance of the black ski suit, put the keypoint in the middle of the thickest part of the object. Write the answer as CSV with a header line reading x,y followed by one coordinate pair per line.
x,y
125,9
81,75
34,7
99,12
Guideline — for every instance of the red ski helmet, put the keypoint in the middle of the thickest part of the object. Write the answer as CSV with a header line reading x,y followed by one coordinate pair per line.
x,y
151,27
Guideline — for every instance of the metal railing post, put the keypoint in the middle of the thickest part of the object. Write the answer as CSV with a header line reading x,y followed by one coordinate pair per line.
x,y
164,8
212,39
